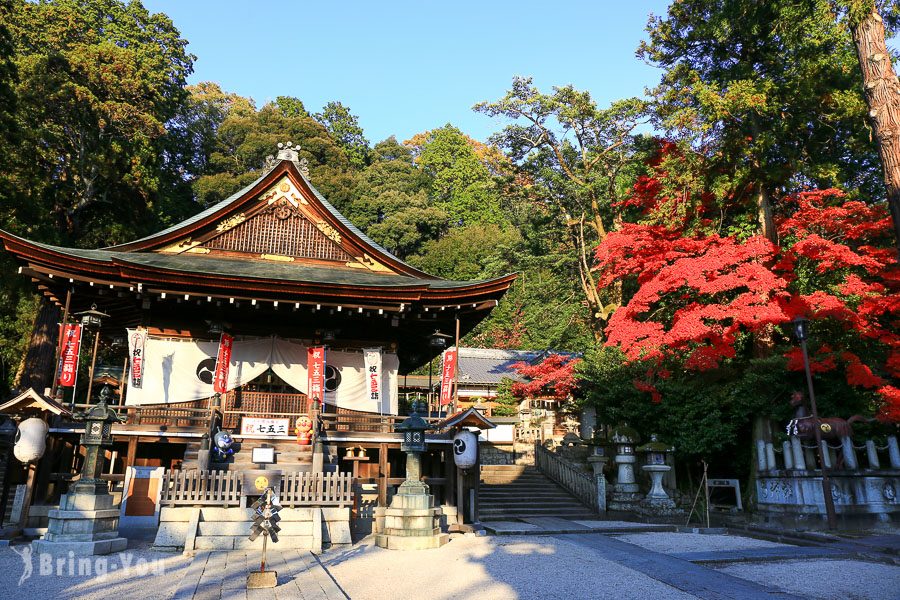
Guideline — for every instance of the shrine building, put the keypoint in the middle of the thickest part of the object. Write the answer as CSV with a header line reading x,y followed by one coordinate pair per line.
x,y
279,271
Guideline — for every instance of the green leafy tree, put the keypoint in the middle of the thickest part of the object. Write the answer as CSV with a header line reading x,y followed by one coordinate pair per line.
x,y
576,161
767,93
344,128
98,82
237,138
390,201
461,182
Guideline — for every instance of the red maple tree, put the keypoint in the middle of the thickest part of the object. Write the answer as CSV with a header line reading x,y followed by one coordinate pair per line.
x,y
698,292
552,377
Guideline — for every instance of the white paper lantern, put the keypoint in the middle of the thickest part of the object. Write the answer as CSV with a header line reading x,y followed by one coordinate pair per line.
x,y
31,440
465,449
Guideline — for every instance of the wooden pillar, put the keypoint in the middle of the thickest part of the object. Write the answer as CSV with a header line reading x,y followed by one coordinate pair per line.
x,y
132,452
29,493
382,474
450,475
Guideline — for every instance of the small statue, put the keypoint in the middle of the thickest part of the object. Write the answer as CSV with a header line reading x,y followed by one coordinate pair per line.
x,y
222,445
832,428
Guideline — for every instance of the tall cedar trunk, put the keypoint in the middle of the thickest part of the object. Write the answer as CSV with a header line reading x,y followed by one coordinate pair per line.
x,y
36,369
883,98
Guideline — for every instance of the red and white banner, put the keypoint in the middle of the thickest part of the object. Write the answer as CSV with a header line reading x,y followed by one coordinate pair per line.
x,y
136,357
71,333
372,361
448,374
315,366
223,360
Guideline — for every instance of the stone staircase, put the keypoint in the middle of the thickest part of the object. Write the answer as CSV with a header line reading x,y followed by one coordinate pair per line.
x,y
289,456
522,491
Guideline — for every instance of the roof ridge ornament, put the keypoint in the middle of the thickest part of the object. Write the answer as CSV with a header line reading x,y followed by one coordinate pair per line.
x,y
288,151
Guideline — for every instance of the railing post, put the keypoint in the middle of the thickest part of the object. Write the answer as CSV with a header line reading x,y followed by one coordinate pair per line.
x,y
797,451
893,451
872,455
849,453
786,452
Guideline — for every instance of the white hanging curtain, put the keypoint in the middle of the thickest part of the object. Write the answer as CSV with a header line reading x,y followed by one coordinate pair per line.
x,y
182,370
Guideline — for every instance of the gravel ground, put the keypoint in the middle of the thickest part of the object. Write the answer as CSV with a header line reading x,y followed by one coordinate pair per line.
x,y
831,579
520,568
136,573
673,543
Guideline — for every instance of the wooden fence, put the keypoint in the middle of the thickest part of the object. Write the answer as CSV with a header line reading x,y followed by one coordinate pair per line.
x,y
578,483
223,488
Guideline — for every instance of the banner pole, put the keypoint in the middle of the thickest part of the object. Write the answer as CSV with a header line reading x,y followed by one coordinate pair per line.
x,y
77,364
456,374
59,345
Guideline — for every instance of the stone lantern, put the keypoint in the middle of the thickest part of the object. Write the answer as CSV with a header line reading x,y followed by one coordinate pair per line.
x,y
598,460
657,501
412,522
86,522
625,492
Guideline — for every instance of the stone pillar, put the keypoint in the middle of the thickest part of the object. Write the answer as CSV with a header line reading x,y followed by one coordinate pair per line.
x,y
770,456
826,454
598,463
850,461
788,455
893,451
872,455
588,422
761,461
797,451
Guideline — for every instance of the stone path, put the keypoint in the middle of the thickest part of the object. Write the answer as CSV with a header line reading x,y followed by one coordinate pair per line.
x,y
223,575
553,525
680,574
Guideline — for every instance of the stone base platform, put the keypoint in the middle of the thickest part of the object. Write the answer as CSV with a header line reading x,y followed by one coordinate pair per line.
x,y
84,524
412,522
96,547
213,528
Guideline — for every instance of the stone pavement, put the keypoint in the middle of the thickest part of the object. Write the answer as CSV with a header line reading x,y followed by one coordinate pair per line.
x,y
215,575
624,562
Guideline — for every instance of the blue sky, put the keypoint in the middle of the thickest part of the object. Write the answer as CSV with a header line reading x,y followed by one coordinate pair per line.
x,y
405,67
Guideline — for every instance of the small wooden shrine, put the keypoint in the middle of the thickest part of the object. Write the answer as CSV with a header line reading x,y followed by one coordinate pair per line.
x,y
277,267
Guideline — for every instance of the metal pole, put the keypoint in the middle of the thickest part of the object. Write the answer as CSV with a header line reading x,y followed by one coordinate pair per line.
x,y
59,345
93,362
456,374
77,364
826,483
428,395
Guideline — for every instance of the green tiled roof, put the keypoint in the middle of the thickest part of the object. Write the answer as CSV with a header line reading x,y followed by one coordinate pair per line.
x,y
258,269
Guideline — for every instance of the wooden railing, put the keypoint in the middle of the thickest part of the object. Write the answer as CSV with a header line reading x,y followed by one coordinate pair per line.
x,y
579,484
261,404
364,422
223,488
200,488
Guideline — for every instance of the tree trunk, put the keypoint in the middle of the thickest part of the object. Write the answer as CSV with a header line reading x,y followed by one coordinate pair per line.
x,y
764,214
36,369
882,92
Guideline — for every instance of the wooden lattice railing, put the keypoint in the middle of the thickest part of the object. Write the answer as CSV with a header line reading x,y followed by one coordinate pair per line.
x,y
578,483
223,488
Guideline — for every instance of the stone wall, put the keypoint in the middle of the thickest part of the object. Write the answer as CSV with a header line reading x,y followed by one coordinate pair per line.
x,y
497,454
212,528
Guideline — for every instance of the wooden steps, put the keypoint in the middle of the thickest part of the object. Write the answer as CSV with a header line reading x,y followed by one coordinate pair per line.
x,y
289,456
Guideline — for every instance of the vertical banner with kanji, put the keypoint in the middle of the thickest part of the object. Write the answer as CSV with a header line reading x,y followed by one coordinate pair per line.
x,y
136,339
315,364
372,359
448,374
223,360
71,346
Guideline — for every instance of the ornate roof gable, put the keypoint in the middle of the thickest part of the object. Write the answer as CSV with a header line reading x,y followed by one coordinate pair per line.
x,y
279,217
